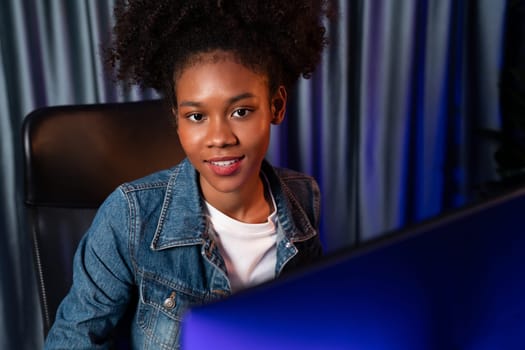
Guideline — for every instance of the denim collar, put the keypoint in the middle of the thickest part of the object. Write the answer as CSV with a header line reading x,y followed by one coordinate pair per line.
x,y
183,217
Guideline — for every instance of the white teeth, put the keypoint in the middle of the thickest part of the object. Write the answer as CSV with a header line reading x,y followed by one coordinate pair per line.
x,y
224,163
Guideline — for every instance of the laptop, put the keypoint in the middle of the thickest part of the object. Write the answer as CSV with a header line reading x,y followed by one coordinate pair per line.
x,y
454,282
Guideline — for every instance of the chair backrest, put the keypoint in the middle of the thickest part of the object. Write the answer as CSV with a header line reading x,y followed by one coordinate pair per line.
x,y
75,156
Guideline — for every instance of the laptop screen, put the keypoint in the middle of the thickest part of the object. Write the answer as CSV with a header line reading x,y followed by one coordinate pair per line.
x,y
455,282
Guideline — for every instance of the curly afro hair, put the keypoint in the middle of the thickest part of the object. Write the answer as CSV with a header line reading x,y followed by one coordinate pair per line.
x,y
155,39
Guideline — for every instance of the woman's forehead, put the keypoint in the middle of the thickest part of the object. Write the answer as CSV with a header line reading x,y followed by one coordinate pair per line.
x,y
219,79
215,56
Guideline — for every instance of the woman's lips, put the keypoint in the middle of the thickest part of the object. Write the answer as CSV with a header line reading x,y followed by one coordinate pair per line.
x,y
224,166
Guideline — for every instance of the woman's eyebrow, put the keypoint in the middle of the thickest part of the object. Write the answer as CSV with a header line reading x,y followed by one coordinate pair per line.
x,y
240,97
231,100
190,104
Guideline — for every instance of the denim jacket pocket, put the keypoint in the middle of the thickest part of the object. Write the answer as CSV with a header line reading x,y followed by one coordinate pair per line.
x,y
161,308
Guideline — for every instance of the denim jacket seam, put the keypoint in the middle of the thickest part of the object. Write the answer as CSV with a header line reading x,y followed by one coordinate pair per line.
x,y
169,187
131,232
290,251
317,202
305,223
162,216
134,187
216,261
294,176
286,261
158,341
177,286
303,238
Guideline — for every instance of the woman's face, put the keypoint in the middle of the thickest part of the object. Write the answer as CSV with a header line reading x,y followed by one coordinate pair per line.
x,y
224,114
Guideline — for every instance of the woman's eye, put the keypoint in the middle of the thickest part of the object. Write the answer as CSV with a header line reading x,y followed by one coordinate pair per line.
x,y
241,112
195,117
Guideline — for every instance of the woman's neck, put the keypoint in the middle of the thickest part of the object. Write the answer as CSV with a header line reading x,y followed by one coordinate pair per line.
x,y
250,205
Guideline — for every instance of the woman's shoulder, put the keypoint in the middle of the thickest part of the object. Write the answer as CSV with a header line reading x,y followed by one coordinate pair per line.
x,y
153,180
149,189
159,188
301,194
158,180
303,188
294,178
289,174
139,193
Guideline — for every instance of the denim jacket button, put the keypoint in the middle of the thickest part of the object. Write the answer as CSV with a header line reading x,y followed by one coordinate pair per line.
x,y
169,303
288,244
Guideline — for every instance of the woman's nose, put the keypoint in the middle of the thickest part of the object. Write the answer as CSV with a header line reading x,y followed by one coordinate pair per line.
x,y
220,133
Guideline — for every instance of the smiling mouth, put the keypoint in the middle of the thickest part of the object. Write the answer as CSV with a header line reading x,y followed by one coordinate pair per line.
x,y
225,163
225,166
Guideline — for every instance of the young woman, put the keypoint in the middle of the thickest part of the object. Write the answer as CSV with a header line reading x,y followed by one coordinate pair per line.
x,y
223,219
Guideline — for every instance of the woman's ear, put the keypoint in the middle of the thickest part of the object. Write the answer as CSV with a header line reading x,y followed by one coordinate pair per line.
x,y
278,106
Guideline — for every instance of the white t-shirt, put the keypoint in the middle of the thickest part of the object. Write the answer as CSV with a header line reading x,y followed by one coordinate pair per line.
x,y
248,250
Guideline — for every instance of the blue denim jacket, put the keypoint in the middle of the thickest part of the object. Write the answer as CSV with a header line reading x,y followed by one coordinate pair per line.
x,y
149,247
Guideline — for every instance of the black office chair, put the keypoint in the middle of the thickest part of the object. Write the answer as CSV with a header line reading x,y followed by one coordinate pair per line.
x,y
75,156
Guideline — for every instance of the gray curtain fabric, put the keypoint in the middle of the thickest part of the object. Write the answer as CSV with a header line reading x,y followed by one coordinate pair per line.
x,y
388,124
391,123
429,80
50,55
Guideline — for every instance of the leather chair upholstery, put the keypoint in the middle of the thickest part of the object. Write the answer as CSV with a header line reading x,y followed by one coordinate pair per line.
x,y
74,157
